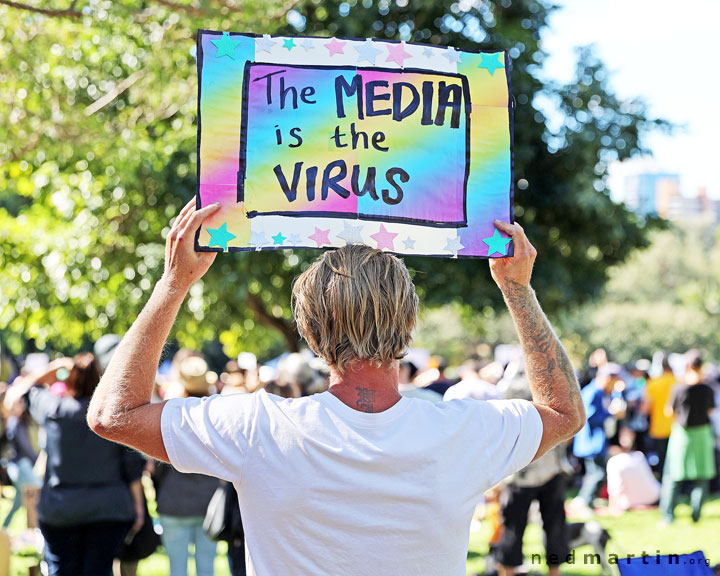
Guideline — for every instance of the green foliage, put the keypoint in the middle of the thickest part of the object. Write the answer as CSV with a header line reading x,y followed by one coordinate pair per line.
x,y
664,297
98,115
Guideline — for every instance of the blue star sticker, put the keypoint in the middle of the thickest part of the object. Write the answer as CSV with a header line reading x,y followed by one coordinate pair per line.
x,y
220,236
491,62
367,51
289,43
497,244
278,239
226,45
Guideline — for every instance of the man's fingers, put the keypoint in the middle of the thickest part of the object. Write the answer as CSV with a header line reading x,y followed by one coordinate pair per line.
x,y
197,217
183,213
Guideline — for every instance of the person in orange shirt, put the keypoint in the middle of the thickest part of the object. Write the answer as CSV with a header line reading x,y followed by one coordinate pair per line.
x,y
655,398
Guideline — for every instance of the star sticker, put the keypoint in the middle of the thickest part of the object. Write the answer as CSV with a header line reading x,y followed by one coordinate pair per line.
x,y
257,239
351,234
497,244
289,43
335,47
264,44
409,243
398,54
367,51
453,245
226,45
220,236
384,238
294,239
307,44
452,55
491,62
278,239
428,52
320,237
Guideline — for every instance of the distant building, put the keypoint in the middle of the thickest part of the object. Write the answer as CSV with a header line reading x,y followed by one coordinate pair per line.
x,y
659,195
647,194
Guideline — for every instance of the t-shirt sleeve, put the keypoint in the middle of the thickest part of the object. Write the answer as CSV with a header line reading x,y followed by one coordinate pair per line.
x,y
513,430
209,435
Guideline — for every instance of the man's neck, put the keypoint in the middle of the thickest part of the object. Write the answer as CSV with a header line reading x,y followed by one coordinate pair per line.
x,y
365,386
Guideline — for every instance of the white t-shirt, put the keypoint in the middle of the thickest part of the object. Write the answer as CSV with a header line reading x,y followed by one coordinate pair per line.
x,y
630,481
326,490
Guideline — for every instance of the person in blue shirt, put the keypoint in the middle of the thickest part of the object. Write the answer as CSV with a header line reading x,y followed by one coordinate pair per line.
x,y
591,443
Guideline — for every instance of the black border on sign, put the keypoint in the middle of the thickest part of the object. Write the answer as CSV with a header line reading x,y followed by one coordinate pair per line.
x,y
199,61
242,161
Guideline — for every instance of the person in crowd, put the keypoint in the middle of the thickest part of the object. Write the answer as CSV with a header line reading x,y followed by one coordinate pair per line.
x,y
125,564
86,505
655,400
542,480
240,375
591,443
441,383
357,479
471,385
294,370
407,372
691,448
22,455
597,359
182,499
630,481
284,389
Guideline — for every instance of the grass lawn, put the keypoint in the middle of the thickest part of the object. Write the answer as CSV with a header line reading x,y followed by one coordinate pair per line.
x,y
632,533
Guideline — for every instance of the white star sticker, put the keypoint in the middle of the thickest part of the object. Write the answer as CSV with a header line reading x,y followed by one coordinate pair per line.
x,y
307,44
428,52
264,44
294,239
351,234
453,245
452,55
409,243
257,239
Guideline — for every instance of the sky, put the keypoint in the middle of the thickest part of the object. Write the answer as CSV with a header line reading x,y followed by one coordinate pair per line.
x,y
664,51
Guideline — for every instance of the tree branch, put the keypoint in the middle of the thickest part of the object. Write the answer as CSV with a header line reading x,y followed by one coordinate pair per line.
x,y
285,328
69,12
100,103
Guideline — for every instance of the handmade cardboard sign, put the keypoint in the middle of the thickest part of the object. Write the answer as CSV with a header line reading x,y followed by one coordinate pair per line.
x,y
322,142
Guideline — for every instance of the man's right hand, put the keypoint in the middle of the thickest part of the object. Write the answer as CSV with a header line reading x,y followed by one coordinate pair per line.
x,y
518,269
183,265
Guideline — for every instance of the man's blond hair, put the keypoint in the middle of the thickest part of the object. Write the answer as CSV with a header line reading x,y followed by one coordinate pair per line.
x,y
356,303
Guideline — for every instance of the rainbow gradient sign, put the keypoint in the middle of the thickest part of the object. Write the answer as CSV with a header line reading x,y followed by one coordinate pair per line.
x,y
323,142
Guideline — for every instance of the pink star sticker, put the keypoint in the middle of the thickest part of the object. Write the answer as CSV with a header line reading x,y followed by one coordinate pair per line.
x,y
384,238
335,47
398,54
320,237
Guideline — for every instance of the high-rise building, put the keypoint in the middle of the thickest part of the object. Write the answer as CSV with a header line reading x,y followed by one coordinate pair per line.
x,y
649,194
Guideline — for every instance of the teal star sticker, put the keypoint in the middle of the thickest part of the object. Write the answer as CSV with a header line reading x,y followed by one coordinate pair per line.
x,y
491,62
226,45
220,236
278,239
497,244
289,43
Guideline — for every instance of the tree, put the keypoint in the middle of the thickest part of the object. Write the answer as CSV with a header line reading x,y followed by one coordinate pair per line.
x,y
664,297
99,116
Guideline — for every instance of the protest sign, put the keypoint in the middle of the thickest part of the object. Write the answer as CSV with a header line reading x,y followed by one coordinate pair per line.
x,y
322,142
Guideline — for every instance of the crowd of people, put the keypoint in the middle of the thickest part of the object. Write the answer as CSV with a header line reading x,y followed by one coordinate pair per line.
x,y
651,437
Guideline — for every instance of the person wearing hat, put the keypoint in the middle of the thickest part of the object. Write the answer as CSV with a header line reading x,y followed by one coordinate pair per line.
x,y
591,443
183,499
358,479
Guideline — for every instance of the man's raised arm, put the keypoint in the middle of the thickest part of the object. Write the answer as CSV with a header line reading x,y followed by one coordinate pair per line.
x,y
120,409
554,387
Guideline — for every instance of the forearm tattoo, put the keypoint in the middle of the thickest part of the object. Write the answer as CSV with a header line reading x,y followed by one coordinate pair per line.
x,y
550,373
